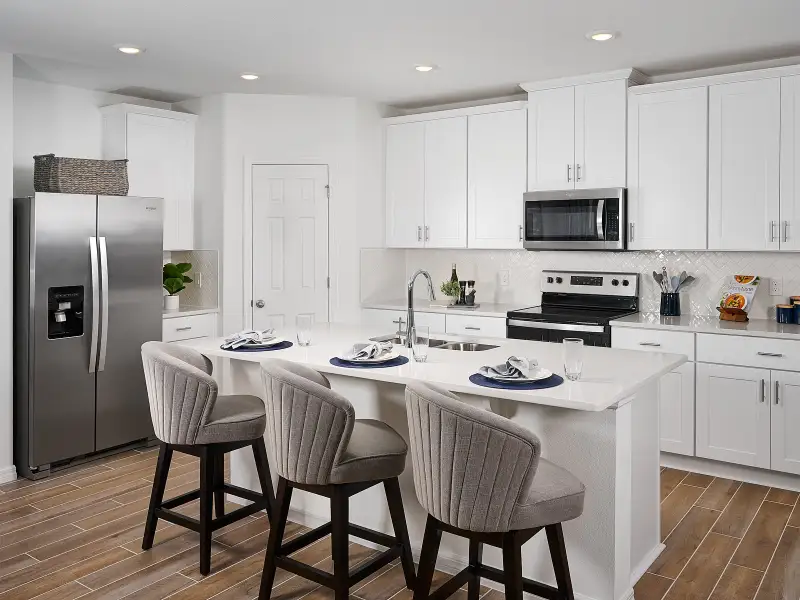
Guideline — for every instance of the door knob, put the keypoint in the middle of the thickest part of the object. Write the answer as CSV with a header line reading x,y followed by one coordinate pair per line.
x,y
260,304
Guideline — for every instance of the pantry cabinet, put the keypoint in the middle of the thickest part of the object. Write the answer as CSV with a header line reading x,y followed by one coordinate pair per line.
x,y
159,146
668,169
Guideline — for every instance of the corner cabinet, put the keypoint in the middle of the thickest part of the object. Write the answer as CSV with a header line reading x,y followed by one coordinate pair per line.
x,y
159,146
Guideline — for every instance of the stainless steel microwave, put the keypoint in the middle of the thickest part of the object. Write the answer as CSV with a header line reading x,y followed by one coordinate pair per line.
x,y
592,219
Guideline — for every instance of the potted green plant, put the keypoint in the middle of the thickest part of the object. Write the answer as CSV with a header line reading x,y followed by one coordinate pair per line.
x,y
174,280
451,289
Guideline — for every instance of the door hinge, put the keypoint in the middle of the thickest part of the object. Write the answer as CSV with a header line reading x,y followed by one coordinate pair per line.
x,y
328,282
328,191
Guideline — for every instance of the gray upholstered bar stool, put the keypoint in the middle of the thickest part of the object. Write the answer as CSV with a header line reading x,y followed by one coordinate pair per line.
x,y
189,417
480,476
317,445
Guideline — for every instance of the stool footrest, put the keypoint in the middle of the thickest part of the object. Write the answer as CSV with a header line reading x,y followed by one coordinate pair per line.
x,y
301,541
241,492
178,519
452,585
239,513
181,500
373,564
371,535
304,570
536,588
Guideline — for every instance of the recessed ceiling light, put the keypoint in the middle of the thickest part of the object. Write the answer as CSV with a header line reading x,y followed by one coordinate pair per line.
x,y
601,36
128,49
249,76
425,68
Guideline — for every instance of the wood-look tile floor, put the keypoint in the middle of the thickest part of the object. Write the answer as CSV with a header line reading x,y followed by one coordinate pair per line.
x,y
725,540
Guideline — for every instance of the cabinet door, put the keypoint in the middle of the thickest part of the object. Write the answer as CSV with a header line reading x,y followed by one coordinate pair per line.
x,y
743,179
676,408
160,154
790,163
668,170
446,183
551,139
785,418
733,414
600,112
497,166
405,185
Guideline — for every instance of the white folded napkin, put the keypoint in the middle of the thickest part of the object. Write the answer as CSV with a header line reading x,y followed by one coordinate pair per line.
x,y
248,336
514,368
364,351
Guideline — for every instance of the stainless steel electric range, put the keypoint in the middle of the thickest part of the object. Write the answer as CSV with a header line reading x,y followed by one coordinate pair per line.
x,y
576,304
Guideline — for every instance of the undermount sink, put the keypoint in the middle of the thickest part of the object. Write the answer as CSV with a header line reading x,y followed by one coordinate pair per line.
x,y
438,344
401,340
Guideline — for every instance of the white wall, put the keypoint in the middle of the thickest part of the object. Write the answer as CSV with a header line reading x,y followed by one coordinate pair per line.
x,y
7,471
57,119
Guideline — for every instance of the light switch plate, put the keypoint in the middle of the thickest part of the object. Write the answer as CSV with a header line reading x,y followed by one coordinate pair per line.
x,y
776,286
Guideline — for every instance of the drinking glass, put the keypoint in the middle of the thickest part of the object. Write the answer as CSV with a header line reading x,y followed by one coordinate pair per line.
x,y
573,358
304,324
420,340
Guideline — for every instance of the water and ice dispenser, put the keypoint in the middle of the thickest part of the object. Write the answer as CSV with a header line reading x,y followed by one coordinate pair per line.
x,y
64,312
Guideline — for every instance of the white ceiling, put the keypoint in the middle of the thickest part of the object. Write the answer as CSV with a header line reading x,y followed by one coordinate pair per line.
x,y
367,48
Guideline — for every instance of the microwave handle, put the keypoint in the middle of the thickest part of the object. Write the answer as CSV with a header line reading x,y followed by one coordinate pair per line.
x,y
600,214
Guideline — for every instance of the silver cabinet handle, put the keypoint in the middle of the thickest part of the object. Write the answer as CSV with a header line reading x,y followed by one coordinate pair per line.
x,y
772,354
569,172
183,329
772,225
419,233
472,328
763,391
520,233
654,344
777,392
427,233
786,231
577,172
95,304
101,363
630,227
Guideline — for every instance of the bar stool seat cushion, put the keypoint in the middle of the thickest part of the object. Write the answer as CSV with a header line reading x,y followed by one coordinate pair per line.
x,y
234,418
375,451
554,496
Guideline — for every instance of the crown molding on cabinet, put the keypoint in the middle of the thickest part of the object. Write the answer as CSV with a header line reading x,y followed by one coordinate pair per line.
x,y
633,76
682,84
457,112
125,108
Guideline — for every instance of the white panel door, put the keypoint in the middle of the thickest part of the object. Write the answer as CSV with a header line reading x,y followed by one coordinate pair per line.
x,y
790,163
446,183
733,414
551,139
676,408
405,185
668,170
497,166
785,419
744,153
160,153
600,120
290,244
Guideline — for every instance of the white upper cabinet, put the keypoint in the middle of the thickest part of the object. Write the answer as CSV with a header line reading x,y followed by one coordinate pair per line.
x,y
405,185
790,163
159,146
744,150
446,183
668,169
600,110
551,139
497,156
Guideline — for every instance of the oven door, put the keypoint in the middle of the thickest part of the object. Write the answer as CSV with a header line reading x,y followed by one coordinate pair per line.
x,y
575,220
540,331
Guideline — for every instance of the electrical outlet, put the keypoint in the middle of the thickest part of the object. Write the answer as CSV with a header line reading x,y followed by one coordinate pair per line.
x,y
198,279
776,286
504,277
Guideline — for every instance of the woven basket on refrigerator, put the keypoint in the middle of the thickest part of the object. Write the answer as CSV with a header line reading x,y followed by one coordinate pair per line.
x,y
55,174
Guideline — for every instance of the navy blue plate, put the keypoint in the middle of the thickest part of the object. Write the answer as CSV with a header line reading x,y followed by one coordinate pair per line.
x,y
280,346
552,381
395,362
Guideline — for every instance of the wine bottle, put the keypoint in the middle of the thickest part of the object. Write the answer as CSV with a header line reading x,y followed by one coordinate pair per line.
x,y
453,274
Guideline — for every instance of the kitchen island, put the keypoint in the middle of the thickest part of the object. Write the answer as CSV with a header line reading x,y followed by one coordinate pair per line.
x,y
603,428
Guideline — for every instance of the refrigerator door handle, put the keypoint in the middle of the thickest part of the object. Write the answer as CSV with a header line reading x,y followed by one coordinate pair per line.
x,y
95,304
104,316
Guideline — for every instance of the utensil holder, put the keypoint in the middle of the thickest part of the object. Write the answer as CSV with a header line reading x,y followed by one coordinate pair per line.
x,y
670,304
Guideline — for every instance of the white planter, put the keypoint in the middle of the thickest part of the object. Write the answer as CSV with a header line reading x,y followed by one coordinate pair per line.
x,y
172,302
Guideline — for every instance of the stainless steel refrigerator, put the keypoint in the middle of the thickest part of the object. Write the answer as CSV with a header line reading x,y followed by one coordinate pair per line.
x,y
87,294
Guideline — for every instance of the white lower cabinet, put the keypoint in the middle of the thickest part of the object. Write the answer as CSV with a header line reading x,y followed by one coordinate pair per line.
x,y
676,410
733,414
476,326
785,412
176,329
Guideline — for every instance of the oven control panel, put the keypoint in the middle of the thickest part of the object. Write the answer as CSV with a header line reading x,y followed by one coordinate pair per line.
x,y
604,284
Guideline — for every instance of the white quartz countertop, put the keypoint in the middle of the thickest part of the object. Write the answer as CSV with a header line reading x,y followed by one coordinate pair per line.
x,y
487,309
709,324
187,311
610,376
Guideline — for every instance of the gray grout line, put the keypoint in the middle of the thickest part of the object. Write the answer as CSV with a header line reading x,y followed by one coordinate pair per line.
x,y
673,489
774,552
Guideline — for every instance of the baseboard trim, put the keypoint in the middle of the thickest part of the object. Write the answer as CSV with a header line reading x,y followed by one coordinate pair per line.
x,y
715,468
8,474
645,563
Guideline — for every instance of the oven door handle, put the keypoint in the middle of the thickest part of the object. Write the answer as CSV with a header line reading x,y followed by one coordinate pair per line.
x,y
557,326
601,205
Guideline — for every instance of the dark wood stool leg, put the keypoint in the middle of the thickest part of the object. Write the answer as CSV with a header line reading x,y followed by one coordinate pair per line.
x,y
278,526
206,501
340,519
219,480
264,475
558,552
395,500
512,565
157,495
475,558
427,559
